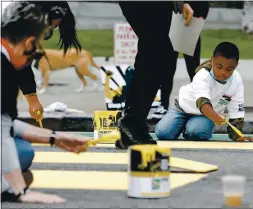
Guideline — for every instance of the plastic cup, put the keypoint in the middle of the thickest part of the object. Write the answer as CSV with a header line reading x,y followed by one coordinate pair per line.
x,y
233,190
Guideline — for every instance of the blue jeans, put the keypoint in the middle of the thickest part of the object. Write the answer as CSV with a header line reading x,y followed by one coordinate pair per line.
x,y
193,127
25,153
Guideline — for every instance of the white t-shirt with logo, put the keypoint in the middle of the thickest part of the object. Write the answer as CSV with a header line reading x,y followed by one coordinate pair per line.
x,y
230,94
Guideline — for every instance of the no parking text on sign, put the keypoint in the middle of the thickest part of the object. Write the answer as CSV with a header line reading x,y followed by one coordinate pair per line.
x,y
125,44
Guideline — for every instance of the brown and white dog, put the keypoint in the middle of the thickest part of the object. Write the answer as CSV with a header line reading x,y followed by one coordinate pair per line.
x,y
55,60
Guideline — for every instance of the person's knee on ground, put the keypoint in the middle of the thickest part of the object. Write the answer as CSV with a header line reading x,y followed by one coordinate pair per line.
x,y
170,126
165,133
25,153
197,132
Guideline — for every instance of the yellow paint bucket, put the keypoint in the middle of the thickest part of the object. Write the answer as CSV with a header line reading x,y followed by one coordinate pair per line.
x,y
148,171
104,122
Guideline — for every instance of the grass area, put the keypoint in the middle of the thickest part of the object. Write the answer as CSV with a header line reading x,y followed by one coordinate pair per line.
x,y
210,38
100,42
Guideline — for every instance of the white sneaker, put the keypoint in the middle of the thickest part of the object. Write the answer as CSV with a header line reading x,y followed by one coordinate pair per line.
x,y
159,113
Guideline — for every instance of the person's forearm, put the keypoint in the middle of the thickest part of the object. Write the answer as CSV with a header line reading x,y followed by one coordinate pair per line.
x,y
208,111
31,98
26,80
31,133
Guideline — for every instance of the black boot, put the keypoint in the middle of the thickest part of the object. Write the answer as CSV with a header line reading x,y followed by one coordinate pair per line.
x,y
132,133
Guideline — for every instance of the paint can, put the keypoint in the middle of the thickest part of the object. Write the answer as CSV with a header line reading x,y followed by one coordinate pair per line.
x,y
148,171
105,122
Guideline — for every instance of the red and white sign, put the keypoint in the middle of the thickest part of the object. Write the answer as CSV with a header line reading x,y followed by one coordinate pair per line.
x,y
125,44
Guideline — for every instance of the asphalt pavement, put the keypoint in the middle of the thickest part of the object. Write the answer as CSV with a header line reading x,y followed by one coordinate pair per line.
x,y
92,183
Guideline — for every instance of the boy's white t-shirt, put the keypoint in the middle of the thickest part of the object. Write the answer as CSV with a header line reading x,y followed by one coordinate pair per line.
x,y
230,94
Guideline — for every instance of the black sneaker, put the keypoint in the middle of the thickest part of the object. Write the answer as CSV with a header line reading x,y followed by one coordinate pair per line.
x,y
131,135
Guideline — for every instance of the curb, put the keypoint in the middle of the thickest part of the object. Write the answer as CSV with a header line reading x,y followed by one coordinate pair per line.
x,y
85,124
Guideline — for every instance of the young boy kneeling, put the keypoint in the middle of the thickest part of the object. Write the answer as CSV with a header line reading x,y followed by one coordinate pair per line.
x,y
197,109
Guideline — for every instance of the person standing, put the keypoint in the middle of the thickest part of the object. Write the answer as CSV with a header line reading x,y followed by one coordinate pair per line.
x,y
201,9
151,23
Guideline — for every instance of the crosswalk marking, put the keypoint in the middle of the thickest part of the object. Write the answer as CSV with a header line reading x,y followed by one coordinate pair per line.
x,y
199,145
108,167
192,145
97,180
115,158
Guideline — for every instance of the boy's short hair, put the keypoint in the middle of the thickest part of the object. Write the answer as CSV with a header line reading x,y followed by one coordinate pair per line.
x,y
227,50
20,20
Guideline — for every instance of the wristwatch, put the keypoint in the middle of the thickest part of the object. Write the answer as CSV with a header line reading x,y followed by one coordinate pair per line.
x,y
52,138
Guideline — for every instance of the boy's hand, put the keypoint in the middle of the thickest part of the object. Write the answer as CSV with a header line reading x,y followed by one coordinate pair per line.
x,y
219,119
244,139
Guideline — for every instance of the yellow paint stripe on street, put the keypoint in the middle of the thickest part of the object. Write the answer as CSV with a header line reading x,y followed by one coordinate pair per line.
x,y
98,180
192,145
192,165
114,158
198,145
88,157
207,145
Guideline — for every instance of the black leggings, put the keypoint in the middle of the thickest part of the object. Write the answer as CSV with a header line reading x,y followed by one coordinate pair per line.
x,y
151,23
191,64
